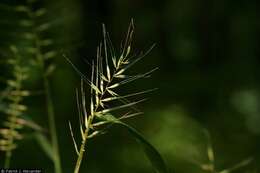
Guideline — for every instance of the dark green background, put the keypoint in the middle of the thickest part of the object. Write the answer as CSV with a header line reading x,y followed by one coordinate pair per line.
x,y
208,57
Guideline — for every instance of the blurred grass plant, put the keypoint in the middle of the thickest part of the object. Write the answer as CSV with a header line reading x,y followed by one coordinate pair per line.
x,y
194,150
12,105
37,51
211,165
43,54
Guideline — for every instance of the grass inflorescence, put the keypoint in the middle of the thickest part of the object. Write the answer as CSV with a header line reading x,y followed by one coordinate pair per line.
x,y
12,105
36,51
106,104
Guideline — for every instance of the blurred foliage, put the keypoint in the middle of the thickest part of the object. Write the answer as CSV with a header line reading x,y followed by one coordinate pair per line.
x,y
208,56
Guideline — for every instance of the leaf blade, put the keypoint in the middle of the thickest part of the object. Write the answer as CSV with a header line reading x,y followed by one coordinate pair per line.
x,y
45,145
152,154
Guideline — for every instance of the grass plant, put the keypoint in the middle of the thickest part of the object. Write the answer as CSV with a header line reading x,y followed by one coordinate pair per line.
x,y
106,104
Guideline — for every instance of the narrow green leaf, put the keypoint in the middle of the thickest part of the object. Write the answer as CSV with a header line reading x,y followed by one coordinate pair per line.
x,y
152,154
45,145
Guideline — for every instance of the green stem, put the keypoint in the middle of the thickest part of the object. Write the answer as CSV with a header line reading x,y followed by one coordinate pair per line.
x,y
81,151
52,126
7,159
49,101
90,119
49,106
83,145
50,109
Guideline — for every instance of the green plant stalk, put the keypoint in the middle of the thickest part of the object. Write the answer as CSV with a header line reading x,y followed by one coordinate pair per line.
x,y
83,145
50,108
51,117
90,119
81,151
8,156
48,100
50,112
